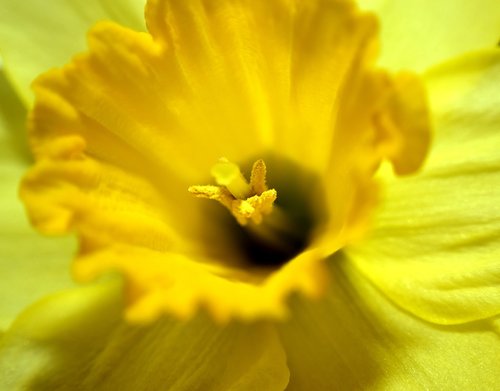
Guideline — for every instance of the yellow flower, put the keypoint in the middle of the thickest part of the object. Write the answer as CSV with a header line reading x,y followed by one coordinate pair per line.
x,y
314,278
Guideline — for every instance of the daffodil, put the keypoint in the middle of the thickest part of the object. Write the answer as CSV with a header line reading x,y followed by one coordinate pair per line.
x,y
259,204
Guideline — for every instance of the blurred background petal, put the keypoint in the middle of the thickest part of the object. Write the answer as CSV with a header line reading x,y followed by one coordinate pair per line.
x,y
356,339
30,265
78,340
417,34
434,249
36,35
52,340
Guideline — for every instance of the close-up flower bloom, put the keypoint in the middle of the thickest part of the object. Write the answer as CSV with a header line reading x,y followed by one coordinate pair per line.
x,y
250,195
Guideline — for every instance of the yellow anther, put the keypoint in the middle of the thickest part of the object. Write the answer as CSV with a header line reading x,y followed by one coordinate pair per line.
x,y
258,177
217,193
246,201
254,208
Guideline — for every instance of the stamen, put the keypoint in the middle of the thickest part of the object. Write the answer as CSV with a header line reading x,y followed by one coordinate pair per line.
x,y
246,201
258,177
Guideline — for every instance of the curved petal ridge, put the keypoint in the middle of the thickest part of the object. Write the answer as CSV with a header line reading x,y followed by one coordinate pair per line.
x,y
358,339
437,41
434,248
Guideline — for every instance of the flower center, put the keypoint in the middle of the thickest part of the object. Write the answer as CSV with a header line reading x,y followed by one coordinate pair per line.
x,y
246,201
267,227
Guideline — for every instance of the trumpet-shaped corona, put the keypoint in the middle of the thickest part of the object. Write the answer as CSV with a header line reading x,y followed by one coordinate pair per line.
x,y
124,129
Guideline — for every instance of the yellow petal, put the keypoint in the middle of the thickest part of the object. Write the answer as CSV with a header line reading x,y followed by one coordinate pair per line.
x,y
406,124
357,339
77,340
434,249
418,34
34,38
270,76
174,283
52,340
380,116
188,356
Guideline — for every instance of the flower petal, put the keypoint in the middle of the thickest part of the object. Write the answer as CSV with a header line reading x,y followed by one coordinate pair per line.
x,y
33,39
49,342
31,266
77,339
416,34
189,356
264,66
435,249
357,339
